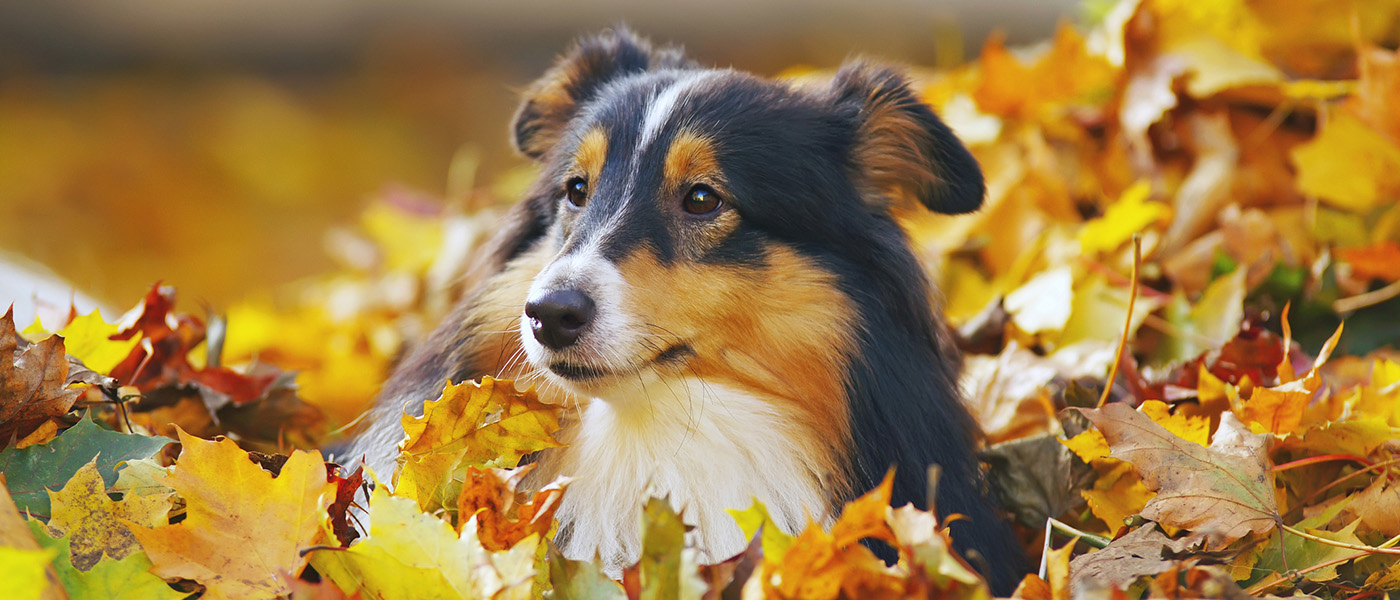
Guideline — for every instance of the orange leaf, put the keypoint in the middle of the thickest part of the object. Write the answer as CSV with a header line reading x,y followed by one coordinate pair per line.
x,y
1380,260
490,495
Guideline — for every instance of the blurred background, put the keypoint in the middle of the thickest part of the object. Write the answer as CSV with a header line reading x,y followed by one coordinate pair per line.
x,y
213,144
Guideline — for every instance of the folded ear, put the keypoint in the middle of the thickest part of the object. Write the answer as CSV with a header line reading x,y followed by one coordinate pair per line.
x,y
576,77
902,149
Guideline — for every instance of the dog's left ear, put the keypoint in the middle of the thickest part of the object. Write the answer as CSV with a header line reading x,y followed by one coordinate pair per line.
x,y
901,148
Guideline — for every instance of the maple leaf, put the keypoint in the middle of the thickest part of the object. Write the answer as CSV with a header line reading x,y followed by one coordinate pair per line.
x,y
1349,164
97,525
33,382
407,545
128,578
579,580
1225,490
88,339
471,424
243,529
31,470
345,490
1142,552
502,522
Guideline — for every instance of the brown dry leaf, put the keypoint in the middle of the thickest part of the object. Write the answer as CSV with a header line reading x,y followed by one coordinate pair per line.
x,y
33,382
244,529
1378,506
1140,553
95,524
1225,490
502,521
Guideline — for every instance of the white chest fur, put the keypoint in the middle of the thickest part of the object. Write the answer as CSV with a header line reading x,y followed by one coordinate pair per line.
x,y
705,447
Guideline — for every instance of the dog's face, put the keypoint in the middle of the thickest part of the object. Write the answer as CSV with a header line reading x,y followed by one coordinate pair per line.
x,y
697,216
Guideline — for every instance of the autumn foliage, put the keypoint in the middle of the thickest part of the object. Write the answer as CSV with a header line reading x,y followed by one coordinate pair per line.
x,y
1248,445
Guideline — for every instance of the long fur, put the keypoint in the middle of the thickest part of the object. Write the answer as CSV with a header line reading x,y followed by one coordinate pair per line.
x,y
781,346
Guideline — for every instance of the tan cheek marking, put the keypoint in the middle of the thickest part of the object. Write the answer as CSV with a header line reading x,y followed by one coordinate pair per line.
x,y
591,153
495,347
691,157
783,332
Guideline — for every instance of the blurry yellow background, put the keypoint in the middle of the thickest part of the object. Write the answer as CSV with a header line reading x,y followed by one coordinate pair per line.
x,y
212,145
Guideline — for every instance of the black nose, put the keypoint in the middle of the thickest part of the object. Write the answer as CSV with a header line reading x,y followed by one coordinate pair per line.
x,y
558,317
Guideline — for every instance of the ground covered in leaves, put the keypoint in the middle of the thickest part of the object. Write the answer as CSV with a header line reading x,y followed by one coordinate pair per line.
x,y
1249,444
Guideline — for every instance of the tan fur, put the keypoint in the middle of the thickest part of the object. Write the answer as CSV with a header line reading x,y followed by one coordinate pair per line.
x,y
889,151
591,152
691,159
758,332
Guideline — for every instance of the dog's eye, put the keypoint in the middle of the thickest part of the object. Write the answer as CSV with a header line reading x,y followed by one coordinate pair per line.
x,y
701,200
576,190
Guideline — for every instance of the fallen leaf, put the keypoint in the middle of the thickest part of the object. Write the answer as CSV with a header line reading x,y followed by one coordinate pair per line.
x,y
243,529
23,573
31,470
1225,490
1348,165
580,580
406,545
111,579
33,381
88,338
95,524
1378,506
1139,553
471,424
1131,214
1380,260
1293,552
502,522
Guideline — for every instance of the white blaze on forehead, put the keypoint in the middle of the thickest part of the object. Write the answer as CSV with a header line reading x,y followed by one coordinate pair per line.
x,y
665,103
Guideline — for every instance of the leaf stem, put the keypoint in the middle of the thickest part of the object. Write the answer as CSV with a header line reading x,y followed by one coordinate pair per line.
x,y
1312,460
1322,540
1263,586
1128,324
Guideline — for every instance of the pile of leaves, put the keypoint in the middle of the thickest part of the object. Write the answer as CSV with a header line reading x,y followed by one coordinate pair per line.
x,y
1186,201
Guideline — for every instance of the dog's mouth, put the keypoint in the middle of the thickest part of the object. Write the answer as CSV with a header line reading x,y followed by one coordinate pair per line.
x,y
582,373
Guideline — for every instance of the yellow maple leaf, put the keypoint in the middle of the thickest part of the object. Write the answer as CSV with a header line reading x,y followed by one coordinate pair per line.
x,y
1187,427
486,424
411,554
1348,165
1132,213
87,337
24,573
244,529
95,524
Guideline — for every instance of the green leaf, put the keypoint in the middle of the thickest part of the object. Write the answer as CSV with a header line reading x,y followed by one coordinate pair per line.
x,y
29,471
115,579
579,580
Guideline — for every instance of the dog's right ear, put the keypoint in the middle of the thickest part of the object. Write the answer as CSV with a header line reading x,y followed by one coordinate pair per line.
x,y
576,77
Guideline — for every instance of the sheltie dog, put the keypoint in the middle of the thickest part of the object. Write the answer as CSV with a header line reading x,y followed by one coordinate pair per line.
x,y
709,271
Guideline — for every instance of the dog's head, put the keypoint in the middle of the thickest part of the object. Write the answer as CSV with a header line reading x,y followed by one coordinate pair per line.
x,y
701,220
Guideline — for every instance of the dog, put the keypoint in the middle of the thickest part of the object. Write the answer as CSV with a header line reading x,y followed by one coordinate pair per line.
x,y
710,272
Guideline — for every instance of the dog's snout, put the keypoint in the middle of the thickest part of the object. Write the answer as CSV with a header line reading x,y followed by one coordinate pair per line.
x,y
557,318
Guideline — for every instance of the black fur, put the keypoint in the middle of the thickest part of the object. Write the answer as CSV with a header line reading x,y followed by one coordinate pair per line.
x,y
792,162
788,157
